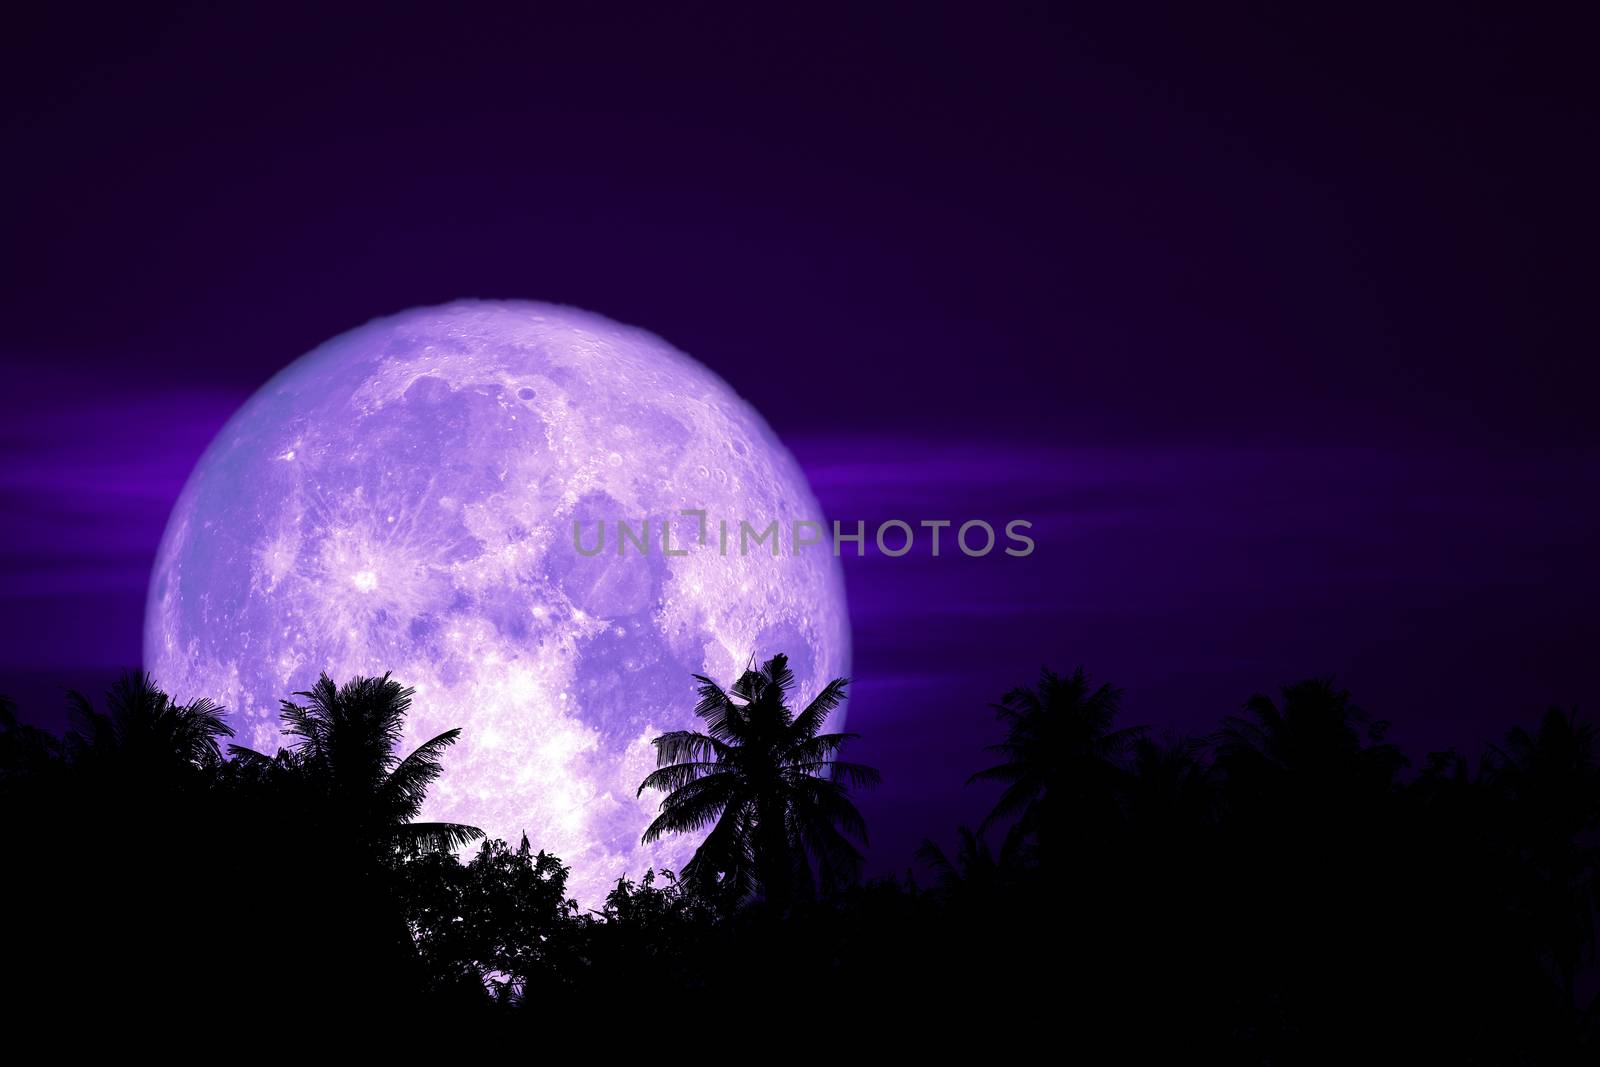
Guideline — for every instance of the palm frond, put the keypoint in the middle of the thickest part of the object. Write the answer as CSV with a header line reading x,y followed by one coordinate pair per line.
x,y
838,859
437,836
1004,772
676,776
695,806
829,801
723,866
1016,799
854,775
811,720
777,673
406,786
250,757
817,749
688,746
716,708
930,855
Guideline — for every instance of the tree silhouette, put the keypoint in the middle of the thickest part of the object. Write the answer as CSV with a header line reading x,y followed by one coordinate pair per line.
x,y
1275,894
769,785
332,816
1548,785
345,739
976,873
145,728
1062,758
24,750
493,923
1316,738
1169,789
119,819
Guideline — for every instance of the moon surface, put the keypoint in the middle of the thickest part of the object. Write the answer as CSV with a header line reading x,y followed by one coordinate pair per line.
x,y
403,499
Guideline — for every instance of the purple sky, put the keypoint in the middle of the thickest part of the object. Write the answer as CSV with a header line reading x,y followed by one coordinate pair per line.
x,y
1271,323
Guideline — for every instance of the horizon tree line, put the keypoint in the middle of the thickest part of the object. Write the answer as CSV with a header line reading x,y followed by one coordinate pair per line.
x,y
1273,874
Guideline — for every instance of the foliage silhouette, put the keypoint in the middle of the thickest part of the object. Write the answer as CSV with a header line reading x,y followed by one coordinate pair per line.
x,y
768,784
1062,755
1285,890
975,873
345,740
1548,786
492,923
1315,740
145,729
25,751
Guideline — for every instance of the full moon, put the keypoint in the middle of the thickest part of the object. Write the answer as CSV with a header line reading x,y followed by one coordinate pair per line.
x,y
423,496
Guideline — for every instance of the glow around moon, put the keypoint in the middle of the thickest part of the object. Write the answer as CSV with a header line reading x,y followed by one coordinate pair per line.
x,y
403,498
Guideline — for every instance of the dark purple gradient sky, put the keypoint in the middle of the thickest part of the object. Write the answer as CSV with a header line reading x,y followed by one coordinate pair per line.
x,y
1275,324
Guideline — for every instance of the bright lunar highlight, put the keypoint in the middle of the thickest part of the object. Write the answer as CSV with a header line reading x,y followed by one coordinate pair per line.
x,y
403,499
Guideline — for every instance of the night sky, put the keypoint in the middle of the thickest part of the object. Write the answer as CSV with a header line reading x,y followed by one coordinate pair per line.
x,y
1274,324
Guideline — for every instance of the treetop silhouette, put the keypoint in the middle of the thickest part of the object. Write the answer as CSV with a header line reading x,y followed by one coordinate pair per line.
x,y
768,783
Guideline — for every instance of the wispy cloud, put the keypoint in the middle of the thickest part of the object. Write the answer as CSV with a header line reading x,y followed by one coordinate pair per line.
x,y
88,480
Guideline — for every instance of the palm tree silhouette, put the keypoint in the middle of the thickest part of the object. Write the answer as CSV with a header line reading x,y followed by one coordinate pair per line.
x,y
1315,738
1060,753
144,729
976,872
345,742
1169,789
24,749
767,783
